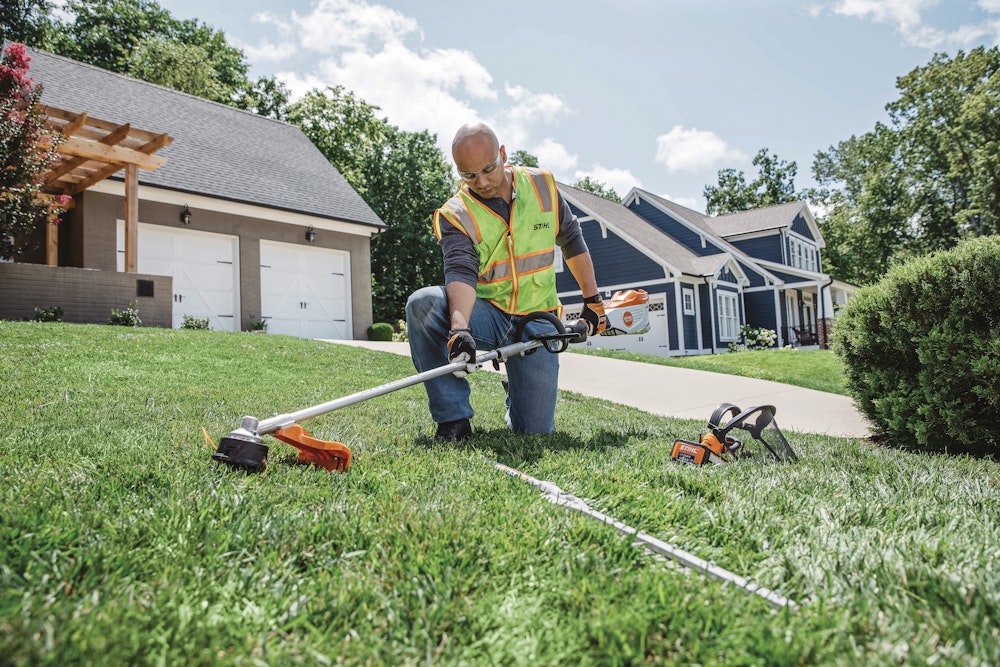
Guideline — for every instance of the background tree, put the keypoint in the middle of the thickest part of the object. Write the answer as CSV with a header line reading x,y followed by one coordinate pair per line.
x,y
522,159
775,184
923,182
598,188
344,128
25,21
174,64
403,176
142,39
948,116
265,97
27,149
405,181
868,225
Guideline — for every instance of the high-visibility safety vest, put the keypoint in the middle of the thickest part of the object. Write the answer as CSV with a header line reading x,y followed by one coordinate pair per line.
x,y
516,262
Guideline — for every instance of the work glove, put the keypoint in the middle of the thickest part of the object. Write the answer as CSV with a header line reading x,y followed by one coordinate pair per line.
x,y
462,347
593,315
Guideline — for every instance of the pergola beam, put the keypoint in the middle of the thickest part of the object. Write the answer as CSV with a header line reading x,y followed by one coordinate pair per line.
x,y
94,149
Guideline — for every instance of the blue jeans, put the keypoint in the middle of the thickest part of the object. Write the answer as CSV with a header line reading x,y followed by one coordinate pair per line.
x,y
534,379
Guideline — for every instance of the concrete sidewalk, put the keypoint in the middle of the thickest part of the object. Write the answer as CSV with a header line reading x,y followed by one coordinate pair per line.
x,y
691,394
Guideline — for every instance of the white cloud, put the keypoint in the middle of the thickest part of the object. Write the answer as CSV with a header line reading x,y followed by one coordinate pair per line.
x,y
905,14
526,110
555,157
907,17
350,25
378,53
620,180
683,149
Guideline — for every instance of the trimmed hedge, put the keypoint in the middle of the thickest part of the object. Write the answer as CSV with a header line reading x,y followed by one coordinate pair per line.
x,y
921,350
380,331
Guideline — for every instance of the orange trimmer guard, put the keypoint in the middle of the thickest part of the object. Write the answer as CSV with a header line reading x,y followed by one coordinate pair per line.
x,y
325,454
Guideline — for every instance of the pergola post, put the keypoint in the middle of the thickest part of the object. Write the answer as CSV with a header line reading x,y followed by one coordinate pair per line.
x,y
131,218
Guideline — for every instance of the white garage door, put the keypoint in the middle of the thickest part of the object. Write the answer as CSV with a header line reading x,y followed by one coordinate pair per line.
x,y
305,291
653,341
204,266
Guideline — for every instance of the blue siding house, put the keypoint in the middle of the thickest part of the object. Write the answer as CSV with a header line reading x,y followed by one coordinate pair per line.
x,y
706,276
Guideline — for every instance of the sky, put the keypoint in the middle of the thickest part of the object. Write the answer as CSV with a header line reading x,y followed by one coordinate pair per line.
x,y
655,94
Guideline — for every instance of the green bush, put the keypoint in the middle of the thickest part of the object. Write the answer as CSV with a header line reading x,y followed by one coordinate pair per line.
x,y
128,317
53,314
402,335
380,331
192,322
921,350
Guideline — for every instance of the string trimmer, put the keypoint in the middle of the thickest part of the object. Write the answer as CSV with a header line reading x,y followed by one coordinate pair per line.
x,y
244,447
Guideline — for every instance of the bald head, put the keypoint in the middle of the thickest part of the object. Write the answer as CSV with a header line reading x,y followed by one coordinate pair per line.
x,y
478,133
479,158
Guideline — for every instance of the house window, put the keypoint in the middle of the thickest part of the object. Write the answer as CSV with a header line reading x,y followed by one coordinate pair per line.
x,y
687,296
729,316
802,255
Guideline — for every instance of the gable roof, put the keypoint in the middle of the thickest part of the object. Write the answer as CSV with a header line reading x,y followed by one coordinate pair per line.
x,y
678,257
218,151
702,223
756,220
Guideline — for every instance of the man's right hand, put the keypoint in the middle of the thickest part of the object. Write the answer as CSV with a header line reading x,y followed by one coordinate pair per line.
x,y
462,347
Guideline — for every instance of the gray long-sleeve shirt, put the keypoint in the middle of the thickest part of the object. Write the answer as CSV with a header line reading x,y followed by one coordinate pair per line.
x,y
461,262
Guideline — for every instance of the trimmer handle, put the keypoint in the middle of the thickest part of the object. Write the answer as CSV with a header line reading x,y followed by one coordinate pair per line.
x,y
554,342
580,329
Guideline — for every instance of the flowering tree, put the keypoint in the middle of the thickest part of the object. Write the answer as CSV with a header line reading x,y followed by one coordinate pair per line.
x,y
27,149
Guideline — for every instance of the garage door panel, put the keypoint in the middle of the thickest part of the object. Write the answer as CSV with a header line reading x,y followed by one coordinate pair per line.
x,y
305,291
203,266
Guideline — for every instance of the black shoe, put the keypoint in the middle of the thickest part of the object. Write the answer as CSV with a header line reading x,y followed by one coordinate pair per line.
x,y
453,431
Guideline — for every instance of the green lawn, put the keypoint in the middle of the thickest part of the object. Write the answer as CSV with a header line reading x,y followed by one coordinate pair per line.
x,y
813,369
121,542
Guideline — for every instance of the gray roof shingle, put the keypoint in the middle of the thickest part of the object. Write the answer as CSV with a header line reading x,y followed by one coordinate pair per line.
x,y
663,246
217,151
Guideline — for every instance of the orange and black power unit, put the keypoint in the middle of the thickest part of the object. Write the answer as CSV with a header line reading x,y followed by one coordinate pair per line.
x,y
709,450
686,451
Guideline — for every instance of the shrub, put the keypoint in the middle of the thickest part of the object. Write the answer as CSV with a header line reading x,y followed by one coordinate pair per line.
x,y
53,314
27,149
754,338
380,331
192,322
129,317
921,350
402,335
258,325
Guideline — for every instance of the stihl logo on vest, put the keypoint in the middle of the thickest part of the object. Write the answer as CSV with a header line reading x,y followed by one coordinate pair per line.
x,y
542,225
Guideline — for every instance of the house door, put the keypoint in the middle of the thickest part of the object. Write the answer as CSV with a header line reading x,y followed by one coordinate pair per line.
x,y
204,267
305,291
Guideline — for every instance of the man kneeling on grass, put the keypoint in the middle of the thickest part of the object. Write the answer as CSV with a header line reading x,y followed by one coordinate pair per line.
x,y
498,236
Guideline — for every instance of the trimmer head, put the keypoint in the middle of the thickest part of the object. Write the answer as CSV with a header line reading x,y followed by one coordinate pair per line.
x,y
243,448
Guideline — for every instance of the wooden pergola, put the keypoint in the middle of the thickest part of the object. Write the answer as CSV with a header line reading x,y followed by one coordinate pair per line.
x,y
92,150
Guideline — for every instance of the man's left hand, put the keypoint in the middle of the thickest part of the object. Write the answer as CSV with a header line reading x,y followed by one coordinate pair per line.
x,y
593,315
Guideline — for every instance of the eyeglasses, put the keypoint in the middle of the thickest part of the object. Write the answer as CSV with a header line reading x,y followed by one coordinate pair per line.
x,y
485,171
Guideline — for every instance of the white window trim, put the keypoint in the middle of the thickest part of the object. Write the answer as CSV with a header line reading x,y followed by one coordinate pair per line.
x,y
729,315
687,294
